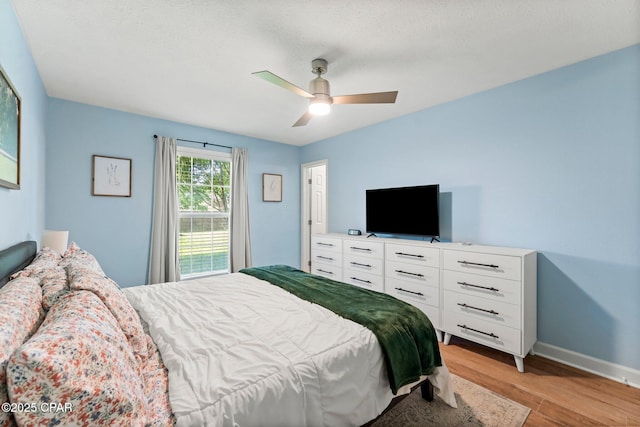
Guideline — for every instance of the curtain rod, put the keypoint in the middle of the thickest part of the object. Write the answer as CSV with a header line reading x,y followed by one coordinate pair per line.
x,y
204,144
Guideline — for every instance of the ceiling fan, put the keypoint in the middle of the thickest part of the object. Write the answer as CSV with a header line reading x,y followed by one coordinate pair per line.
x,y
319,96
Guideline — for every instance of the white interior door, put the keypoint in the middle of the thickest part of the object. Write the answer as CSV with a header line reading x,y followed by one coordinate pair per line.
x,y
314,207
318,199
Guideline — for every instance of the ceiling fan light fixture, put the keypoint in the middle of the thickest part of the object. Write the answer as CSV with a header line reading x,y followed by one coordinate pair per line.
x,y
319,92
320,105
319,108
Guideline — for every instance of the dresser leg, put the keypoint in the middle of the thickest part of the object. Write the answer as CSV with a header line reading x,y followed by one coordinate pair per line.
x,y
519,363
447,338
439,335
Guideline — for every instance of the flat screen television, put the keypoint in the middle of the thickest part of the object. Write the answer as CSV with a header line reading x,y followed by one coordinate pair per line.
x,y
404,210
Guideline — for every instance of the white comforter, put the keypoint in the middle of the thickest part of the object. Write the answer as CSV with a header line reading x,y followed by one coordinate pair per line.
x,y
243,352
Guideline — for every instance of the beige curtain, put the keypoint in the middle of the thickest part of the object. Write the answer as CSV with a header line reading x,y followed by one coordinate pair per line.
x,y
240,254
164,264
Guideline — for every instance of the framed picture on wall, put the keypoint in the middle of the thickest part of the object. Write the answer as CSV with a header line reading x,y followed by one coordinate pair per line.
x,y
10,117
271,187
111,176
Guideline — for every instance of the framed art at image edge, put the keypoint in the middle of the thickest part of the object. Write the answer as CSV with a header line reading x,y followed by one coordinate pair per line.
x,y
111,176
271,187
10,118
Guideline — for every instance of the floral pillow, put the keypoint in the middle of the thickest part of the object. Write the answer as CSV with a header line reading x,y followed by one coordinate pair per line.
x,y
81,258
45,259
81,360
20,315
81,278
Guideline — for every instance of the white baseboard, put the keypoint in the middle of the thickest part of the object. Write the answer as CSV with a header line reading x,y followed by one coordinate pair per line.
x,y
619,373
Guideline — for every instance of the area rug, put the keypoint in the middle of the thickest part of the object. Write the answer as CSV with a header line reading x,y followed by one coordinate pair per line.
x,y
477,406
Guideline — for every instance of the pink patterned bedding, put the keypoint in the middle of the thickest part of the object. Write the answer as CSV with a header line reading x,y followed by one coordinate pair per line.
x,y
89,362
20,315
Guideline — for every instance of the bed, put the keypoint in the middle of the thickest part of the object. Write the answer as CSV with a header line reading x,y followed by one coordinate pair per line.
x,y
257,347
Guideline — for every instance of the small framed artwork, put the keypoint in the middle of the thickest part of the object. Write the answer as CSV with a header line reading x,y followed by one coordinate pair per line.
x,y
10,112
111,176
271,187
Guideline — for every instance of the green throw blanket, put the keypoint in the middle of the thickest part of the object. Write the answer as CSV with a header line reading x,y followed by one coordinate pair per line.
x,y
408,339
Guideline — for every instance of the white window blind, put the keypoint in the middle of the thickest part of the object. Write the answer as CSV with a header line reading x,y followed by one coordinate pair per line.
x,y
204,196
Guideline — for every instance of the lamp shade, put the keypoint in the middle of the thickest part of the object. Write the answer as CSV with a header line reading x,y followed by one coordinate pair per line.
x,y
56,240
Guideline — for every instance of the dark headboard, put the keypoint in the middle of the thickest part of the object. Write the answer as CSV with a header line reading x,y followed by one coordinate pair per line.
x,y
15,258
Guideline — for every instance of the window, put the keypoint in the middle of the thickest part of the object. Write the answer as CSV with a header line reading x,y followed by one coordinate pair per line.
x,y
204,196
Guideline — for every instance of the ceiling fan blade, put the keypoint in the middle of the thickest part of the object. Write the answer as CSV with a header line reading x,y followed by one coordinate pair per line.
x,y
279,81
367,98
302,121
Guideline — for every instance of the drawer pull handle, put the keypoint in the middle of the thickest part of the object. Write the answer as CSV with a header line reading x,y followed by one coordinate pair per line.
x,y
413,255
478,286
325,271
411,292
409,273
355,248
479,309
492,335
360,265
324,257
324,244
360,280
478,264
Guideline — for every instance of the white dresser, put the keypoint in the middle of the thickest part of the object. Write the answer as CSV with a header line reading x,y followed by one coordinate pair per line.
x,y
485,294
489,296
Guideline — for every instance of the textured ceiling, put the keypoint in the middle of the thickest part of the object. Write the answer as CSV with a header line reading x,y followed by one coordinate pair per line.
x,y
191,61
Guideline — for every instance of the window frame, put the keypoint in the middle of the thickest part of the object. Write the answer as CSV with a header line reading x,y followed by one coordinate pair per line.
x,y
213,156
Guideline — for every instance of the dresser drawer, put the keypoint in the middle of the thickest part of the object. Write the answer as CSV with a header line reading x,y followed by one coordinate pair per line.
x,y
365,248
326,257
419,255
374,282
483,332
433,313
502,266
364,263
328,271
508,291
483,308
326,243
412,292
420,274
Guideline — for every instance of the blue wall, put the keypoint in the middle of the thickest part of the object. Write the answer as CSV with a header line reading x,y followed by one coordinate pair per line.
x,y
550,163
22,211
117,230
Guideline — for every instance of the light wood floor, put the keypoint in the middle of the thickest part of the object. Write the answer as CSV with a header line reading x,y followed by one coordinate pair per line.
x,y
557,394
